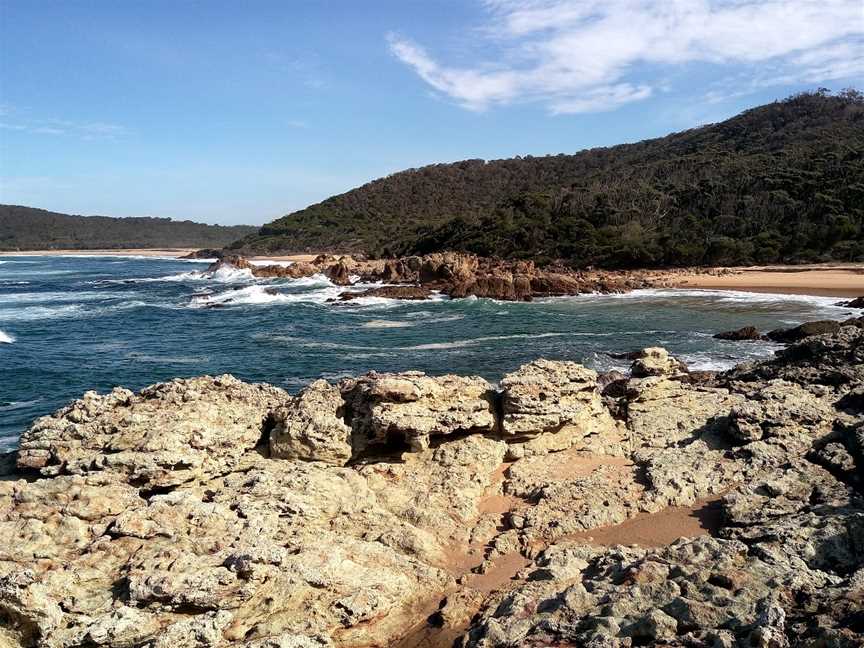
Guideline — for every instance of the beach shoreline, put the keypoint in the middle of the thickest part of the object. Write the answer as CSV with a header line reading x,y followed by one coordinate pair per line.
x,y
825,279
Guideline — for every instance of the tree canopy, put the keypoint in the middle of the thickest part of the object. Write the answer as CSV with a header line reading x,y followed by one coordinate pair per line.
x,y
781,182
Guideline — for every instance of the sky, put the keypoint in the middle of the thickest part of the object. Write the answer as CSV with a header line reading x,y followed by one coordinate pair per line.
x,y
238,112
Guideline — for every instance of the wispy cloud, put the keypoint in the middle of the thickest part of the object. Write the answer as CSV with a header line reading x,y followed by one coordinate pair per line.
x,y
16,121
588,55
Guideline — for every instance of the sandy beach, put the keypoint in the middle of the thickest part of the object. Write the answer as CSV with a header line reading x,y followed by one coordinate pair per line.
x,y
829,280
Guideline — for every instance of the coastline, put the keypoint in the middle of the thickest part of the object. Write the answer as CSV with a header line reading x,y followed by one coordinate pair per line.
x,y
826,280
145,252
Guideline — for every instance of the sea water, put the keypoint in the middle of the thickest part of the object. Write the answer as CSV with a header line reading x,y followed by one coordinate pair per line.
x,y
72,323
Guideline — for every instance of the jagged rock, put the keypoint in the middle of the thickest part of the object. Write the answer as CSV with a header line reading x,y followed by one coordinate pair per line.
x,y
311,427
858,302
413,407
544,396
831,359
798,333
165,435
113,545
339,273
656,361
411,293
745,333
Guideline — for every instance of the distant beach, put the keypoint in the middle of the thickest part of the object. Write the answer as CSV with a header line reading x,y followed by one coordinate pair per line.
x,y
828,280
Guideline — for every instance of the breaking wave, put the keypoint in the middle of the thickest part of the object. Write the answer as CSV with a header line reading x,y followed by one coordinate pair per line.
x,y
5,338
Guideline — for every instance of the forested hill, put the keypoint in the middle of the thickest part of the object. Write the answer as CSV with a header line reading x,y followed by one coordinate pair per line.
x,y
27,228
781,182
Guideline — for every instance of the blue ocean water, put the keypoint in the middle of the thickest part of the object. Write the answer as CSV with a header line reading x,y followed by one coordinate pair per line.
x,y
69,324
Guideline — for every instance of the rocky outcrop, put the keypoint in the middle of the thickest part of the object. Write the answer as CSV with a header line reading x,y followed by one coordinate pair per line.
x,y
165,435
311,427
798,333
454,274
656,361
725,511
858,302
410,293
412,408
744,333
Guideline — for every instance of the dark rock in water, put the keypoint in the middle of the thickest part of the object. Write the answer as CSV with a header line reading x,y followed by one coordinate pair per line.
x,y
858,302
390,292
629,355
798,333
745,333
828,359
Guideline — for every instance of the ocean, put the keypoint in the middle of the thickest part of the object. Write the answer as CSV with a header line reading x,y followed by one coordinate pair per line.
x,y
71,323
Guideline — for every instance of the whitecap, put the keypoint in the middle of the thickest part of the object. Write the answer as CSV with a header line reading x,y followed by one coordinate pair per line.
x,y
157,359
58,297
5,338
387,324
264,262
16,405
458,344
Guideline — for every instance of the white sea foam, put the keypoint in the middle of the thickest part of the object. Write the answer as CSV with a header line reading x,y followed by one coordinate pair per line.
x,y
58,297
16,405
388,324
265,262
5,338
160,359
223,274
458,344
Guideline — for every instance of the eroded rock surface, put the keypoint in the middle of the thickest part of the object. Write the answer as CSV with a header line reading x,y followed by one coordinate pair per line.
x,y
209,512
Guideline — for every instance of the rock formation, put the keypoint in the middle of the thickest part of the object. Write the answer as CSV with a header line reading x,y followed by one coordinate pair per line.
x,y
744,333
408,510
454,274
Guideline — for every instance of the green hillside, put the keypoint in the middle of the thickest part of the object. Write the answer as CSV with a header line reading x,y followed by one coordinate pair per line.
x,y
28,228
781,182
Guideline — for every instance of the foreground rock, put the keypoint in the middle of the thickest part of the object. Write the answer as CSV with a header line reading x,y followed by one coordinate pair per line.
x,y
210,512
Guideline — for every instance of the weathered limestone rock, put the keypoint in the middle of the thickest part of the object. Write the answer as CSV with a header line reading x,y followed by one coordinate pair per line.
x,y
413,407
311,427
549,406
165,435
656,361
493,525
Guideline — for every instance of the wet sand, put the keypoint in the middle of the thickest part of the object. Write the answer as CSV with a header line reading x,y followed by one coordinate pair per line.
x,y
828,280
658,529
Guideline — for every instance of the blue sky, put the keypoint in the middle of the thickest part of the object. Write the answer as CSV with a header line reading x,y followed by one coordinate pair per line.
x,y
238,112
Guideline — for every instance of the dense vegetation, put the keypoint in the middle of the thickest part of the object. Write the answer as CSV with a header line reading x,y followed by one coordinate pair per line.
x,y
781,182
27,228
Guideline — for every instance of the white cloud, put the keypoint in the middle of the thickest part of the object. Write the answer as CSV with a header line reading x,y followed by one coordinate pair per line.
x,y
587,55
83,130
